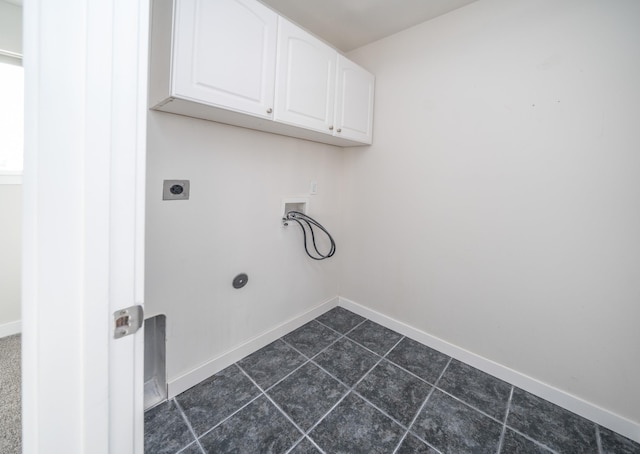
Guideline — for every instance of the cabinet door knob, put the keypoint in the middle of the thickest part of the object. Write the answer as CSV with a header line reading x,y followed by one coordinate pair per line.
x,y
339,130
330,128
269,110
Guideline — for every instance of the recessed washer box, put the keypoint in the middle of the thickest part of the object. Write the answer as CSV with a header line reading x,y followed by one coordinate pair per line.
x,y
175,190
300,204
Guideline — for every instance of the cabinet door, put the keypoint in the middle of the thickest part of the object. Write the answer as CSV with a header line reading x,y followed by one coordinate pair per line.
x,y
225,53
305,79
354,102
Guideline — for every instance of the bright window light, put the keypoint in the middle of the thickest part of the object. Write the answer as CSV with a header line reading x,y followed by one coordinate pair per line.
x,y
11,118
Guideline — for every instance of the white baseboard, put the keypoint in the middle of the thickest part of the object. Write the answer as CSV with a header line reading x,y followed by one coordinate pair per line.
x,y
572,403
215,365
11,328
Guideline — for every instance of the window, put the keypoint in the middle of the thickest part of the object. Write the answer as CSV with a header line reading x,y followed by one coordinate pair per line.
x,y
11,120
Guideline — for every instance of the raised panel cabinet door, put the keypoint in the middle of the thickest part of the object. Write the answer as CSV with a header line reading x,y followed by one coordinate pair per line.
x,y
305,79
225,53
354,102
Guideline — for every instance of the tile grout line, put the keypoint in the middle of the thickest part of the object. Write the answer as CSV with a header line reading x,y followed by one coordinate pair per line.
x,y
378,360
307,357
441,389
189,426
599,439
444,391
367,348
304,434
233,413
413,373
263,392
353,389
523,435
312,441
346,332
424,404
308,360
349,389
312,360
493,418
274,403
306,437
504,425
340,336
380,410
384,355
183,450
294,445
382,358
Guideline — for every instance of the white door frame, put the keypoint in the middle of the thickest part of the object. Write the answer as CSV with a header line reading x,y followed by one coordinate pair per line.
x,y
83,223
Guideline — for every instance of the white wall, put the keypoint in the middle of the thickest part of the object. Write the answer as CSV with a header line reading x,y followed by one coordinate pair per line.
x,y
10,257
10,198
231,224
498,208
10,27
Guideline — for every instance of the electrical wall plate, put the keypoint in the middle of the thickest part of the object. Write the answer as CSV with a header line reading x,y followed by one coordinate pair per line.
x,y
175,190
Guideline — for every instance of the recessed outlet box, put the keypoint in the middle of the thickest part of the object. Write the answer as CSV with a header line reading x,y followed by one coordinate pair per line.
x,y
175,190
300,204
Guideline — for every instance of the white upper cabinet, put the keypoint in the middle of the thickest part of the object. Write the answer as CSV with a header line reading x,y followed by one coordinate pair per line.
x,y
238,62
225,53
354,101
305,79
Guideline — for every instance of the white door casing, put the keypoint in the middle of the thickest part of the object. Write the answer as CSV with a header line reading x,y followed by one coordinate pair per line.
x,y
83,224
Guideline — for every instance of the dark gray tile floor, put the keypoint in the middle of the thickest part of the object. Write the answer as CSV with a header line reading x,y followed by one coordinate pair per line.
x,y
344,384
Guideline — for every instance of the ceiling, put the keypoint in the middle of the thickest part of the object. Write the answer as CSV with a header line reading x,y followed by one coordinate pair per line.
x,y
349,24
